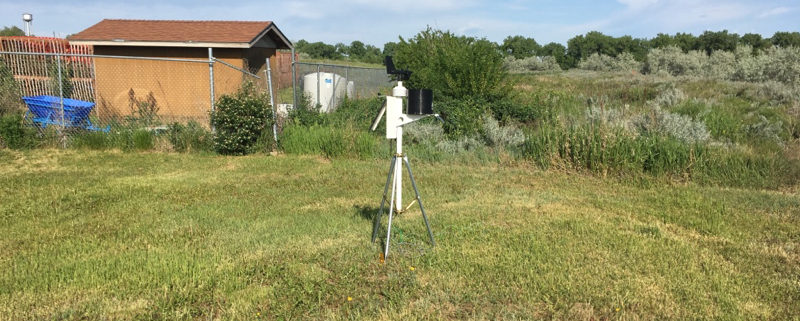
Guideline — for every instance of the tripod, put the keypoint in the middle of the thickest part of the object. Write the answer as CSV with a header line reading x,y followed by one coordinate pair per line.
x,y
395,176
419,107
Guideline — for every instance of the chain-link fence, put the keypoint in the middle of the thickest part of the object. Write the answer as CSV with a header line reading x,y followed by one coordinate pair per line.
x,y
74,92
326,85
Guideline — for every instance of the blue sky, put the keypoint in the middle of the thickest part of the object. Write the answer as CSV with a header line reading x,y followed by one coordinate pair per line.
x,y
379,21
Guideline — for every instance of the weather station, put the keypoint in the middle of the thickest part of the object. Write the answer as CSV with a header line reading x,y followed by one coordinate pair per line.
x,y
419,106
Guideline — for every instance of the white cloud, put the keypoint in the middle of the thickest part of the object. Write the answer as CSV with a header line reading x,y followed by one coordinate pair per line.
x,y
775,12
638,4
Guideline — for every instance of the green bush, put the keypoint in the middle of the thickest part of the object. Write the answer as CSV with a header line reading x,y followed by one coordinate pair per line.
x,y
453,66
239,120
462,117
15,134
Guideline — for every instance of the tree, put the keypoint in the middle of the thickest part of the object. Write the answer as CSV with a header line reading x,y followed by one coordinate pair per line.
x,y
685,41
756,41
520,47
342,49
453,66
580,47
357,50
786,39
662,40
557,51
300,44
388,48
11,31
319,50
711,41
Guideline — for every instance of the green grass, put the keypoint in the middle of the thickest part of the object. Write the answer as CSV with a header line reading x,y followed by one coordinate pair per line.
x,y
103,234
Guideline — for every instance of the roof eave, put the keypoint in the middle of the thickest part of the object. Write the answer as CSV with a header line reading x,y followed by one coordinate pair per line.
x,y
163,44
272,27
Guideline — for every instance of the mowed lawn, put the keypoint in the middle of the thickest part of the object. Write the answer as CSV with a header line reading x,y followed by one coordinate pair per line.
x,y
111,235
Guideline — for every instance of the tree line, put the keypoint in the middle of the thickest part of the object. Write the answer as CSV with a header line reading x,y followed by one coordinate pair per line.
x,y
577,48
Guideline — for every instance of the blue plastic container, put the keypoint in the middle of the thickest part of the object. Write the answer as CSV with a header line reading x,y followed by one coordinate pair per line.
x,y
46,110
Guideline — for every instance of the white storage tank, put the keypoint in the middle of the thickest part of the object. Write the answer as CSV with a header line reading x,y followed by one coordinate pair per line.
x,y
332,89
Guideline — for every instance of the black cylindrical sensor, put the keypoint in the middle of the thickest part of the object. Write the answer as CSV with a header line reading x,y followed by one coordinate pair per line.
x,y
420,102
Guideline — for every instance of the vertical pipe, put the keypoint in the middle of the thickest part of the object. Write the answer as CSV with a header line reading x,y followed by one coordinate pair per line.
x,y
61,96
294,81
211,76
272,103
318,76
332,100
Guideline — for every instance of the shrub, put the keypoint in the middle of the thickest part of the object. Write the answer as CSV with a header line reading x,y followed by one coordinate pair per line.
x,y
15,134
530,64
462,117
720,65
663,123
239,120
670,96
305,114
507,136
623,62
453,66
671,60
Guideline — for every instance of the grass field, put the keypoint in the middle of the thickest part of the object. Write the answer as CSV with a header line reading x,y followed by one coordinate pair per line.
x,y
111,235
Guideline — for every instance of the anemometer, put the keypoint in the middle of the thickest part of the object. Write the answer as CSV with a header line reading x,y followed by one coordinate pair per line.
x,y
420,105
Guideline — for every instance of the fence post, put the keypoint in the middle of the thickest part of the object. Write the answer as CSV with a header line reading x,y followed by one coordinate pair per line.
x,y
272,103
318,76
211,76
294,81
61,96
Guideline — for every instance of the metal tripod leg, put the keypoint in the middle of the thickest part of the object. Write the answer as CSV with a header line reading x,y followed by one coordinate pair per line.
x,y
391,213
419,200
383,200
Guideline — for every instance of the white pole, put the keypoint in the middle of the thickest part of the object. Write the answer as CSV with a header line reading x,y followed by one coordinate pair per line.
x,y
272,103
398,169
211,76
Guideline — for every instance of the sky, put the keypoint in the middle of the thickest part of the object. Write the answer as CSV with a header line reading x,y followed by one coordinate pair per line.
x,y
379,21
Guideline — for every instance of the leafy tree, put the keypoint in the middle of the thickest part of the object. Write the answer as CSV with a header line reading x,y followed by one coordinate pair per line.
x,y
662,40
786,39
11,31
580,47
300,45
756,41
711,41
388,48
357,50
372,55
321,50
635,46
466,74
342,49
685,41
454,66
557,51
520,47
